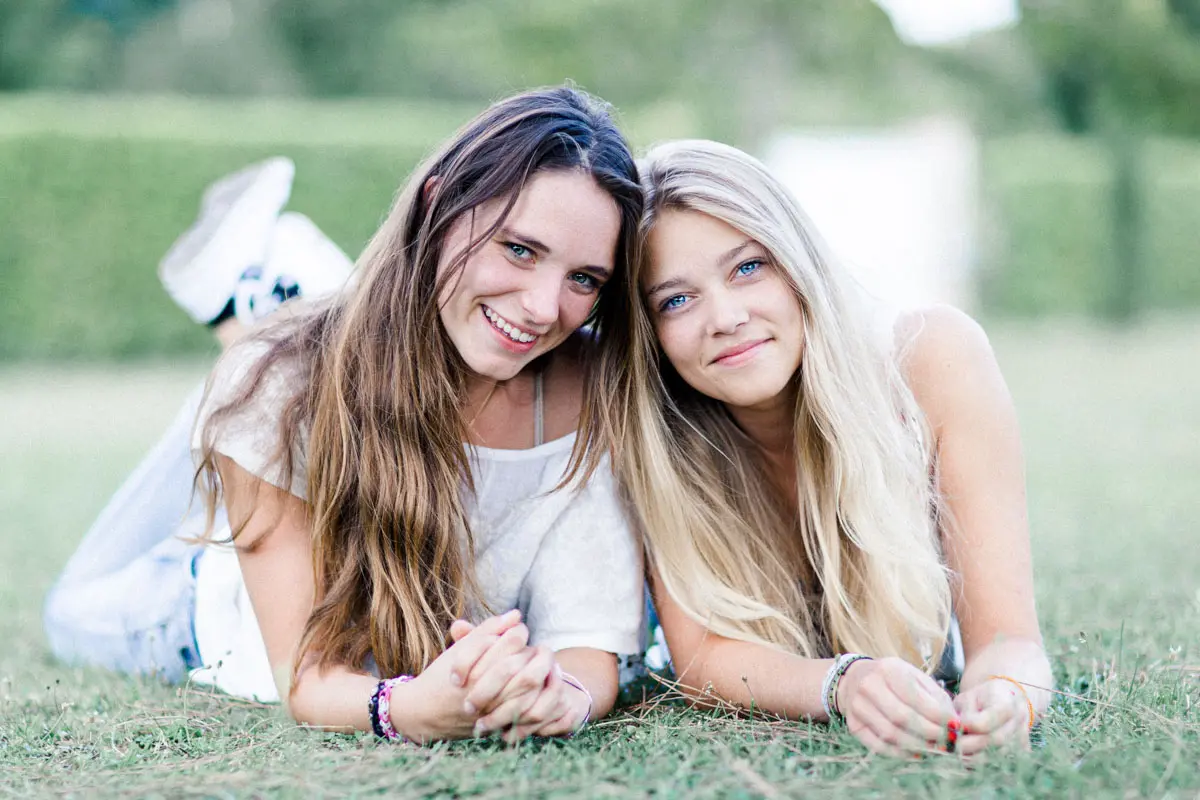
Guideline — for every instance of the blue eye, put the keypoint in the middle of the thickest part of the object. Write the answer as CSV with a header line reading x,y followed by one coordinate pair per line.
x,y
749,268
673,302
519,250
586,281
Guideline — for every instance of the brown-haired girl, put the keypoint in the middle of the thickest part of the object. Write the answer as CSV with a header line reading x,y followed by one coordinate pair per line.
x,y
396,462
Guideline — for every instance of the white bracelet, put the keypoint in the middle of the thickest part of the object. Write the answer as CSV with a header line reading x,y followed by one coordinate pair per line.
x,y
833,677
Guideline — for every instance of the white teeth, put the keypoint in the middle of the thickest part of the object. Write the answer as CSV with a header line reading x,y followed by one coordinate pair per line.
x,y
510,330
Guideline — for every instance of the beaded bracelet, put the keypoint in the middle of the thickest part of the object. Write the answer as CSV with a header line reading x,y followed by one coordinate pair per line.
x,y
829,686
380,709
1025,694
573,682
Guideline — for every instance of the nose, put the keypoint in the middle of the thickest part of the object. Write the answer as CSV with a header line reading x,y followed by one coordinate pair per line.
x,y
728,313
539,301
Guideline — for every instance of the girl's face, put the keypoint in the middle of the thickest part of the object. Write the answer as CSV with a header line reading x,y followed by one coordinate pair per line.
x,y
725,317
524,291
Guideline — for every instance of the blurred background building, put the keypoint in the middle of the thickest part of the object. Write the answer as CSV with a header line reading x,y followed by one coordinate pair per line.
x,y
1019,158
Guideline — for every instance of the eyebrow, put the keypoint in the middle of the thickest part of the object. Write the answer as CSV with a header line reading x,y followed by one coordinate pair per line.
x,y
506,232
724,258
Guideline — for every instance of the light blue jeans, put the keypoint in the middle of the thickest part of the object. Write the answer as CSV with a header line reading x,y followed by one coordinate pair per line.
x,y
126,598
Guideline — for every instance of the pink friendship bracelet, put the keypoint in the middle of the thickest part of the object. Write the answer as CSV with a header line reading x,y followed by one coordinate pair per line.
x,y
381,709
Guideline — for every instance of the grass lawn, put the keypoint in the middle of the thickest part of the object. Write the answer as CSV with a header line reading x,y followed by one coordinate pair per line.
x,y
1112,429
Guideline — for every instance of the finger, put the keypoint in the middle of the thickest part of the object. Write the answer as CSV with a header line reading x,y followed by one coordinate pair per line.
x,y
1014,733
514,713
498,624
879,706
501,712
992,710
921,697
511,642
466,653
468,650
562,726
548,704
506,715
460,628
868,719
876,708
481,649
533,677
517,733
484,690
873,743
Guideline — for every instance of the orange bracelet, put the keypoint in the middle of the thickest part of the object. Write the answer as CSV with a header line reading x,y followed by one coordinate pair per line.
x,y
1025,694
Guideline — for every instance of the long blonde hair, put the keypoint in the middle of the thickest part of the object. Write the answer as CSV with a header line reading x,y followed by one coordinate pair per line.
x,y
859,568
375,408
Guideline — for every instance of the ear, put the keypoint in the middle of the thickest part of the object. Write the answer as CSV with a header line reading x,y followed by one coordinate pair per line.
x,y
430,189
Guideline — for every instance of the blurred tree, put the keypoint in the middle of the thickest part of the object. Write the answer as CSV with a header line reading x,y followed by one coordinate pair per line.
x,y
744,66
1188,12
29,31
123,15
1128,59
211,47
71,44
1120,69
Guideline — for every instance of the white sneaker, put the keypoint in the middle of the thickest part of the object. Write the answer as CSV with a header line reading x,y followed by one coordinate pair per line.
x,y
301,262
232,234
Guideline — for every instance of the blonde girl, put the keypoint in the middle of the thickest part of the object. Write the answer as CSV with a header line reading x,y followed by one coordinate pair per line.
x,y
824,486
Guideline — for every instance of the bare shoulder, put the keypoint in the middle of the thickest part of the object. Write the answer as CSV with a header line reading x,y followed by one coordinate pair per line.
x,y
946,359
927,336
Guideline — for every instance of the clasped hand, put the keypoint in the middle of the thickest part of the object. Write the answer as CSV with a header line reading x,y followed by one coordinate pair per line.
x,y
490,680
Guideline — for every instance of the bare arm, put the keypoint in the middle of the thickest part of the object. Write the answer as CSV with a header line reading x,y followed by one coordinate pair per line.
x,y
596,671
889,705
275,553
742,673
981,484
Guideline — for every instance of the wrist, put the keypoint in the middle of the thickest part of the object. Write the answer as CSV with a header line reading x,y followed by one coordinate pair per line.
x,y
579,700
846,685
411,714
1020,695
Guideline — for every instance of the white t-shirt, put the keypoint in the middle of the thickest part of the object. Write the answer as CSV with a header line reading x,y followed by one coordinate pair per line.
x,y
568,559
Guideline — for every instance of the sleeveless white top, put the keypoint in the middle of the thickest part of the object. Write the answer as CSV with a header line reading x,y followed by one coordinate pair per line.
x,y
568,559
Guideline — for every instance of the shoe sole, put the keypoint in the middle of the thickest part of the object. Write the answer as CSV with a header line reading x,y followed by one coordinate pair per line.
x,y
237,215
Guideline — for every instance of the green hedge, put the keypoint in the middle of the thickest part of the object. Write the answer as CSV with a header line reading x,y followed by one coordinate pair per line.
x,y
1049,249
84,222
85,215
93,192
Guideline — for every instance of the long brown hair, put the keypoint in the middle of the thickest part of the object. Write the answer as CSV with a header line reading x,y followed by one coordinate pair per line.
x,y
375,416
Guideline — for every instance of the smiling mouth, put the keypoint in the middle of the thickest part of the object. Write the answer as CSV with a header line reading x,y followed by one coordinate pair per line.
x,y
734,354
508,329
